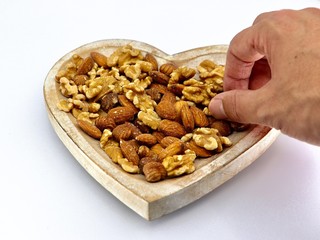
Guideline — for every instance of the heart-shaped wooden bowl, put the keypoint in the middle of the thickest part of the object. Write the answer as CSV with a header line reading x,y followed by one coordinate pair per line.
x,y
153,200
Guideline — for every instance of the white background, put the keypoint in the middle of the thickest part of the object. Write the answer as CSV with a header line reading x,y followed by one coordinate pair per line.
x,y
46,194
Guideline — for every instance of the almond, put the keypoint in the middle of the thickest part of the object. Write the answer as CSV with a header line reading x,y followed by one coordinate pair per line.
x,y
144,151
134,143
122,131
200,118
125,102
104,122
143,161
223,127
161,88
166,111
121,114
146,139
109,101
165,107
100,59
89,129
166,141
171,128
169,98
176,88
158,135
141,126
135,131
200,151
157,149
85,66
159,77
129,152
154,171
178,106
151,59
174,148
154,94
167,68
187,118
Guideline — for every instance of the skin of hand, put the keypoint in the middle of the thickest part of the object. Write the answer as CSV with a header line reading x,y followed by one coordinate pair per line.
x,y
272,74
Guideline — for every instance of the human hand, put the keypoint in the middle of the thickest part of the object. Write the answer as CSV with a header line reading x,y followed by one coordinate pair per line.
x,y
272,74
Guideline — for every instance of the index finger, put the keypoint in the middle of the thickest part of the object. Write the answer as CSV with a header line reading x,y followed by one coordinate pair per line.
x,y
245,49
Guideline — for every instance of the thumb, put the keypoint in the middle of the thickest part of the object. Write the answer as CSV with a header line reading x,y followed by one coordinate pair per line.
x,y
236,105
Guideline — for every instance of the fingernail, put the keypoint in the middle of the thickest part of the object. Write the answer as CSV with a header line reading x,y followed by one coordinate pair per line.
x,y
216,108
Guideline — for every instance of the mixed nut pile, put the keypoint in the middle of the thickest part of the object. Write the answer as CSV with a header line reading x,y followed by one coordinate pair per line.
x,y
149,119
